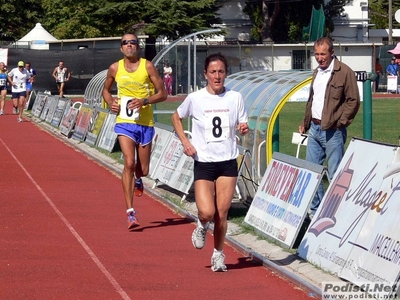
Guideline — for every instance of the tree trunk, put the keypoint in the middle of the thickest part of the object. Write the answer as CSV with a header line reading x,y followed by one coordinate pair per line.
x,y
269,21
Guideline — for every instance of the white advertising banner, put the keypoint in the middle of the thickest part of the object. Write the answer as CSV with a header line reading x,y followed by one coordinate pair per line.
x,y
282,199
183,177
301,95
392,83
52,108
355,231
161,138
4,56
63,107
108,137
39,104
174,168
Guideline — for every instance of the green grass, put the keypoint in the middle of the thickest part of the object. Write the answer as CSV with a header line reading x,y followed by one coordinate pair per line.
x,y
385,124
165,118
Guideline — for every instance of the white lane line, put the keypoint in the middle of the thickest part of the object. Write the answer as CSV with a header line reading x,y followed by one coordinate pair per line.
x,y
93,256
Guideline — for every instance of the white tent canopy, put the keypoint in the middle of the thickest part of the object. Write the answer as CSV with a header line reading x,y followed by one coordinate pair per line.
x,y
37,38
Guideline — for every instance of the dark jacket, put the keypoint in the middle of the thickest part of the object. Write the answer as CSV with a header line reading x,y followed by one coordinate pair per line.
x,y
342,99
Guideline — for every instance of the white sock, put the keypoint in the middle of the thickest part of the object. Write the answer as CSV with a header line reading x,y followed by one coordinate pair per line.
x,y
218,252
204,226
130,210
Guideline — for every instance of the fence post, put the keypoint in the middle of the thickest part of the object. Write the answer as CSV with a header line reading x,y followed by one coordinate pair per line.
x,y
366,78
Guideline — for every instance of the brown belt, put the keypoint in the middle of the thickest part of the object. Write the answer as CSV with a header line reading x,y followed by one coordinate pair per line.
x,y
316,121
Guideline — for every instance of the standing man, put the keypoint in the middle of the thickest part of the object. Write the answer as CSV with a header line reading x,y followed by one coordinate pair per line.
x,y
3,87
332,105
378,72
29,84
392,70
18,77
139,86
62,75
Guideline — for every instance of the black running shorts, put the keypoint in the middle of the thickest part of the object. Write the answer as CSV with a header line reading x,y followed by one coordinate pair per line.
x,y
212,170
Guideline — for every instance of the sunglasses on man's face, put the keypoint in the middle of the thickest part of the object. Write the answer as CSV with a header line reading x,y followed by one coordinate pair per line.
x,y
132,42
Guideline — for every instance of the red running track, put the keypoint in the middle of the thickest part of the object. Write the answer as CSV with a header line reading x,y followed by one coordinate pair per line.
x,y
63,234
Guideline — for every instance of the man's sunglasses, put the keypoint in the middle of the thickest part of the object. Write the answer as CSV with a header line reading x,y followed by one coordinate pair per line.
x,y
133,42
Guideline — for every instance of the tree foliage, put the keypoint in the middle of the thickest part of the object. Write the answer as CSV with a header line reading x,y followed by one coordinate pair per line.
x,y
15,20
278,20
168,18
70,19
332,10
379,13
283,20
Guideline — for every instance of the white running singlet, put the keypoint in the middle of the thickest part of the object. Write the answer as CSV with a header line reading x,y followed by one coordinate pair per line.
x,y
215,119
19,78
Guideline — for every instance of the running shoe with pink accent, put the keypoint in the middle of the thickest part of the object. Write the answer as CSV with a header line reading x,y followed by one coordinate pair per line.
x,y
132,221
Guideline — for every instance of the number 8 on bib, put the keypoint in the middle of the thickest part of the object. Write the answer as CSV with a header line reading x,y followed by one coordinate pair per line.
x,y
216,126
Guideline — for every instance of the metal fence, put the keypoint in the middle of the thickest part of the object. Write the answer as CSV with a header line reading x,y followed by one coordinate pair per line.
x,y
186,59
83,64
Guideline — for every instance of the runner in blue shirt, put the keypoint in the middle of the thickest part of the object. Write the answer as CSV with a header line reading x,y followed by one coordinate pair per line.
x,y
392,70
29,84
3,86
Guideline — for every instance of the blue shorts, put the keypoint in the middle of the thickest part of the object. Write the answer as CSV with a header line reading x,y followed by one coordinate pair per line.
x,y
212,170
17,95
140,134
29,86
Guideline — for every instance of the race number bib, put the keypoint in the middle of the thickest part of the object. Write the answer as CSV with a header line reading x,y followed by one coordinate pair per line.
x,y
125,112
60,77
216,126
3,81
20,86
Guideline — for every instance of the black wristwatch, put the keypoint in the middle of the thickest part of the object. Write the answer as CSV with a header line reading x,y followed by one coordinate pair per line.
x,y
145,101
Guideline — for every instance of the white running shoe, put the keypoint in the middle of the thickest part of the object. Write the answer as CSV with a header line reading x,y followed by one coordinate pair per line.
x,y
199,236
20,120
218,263
1,112
14,111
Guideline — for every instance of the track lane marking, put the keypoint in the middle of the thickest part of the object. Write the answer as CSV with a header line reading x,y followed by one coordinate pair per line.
x,y
93,256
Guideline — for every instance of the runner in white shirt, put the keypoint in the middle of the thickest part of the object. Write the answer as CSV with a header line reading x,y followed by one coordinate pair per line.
x,y
18,78
217,114
61,74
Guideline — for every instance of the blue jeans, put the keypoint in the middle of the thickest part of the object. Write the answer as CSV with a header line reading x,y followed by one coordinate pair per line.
x,y
377,82
323,145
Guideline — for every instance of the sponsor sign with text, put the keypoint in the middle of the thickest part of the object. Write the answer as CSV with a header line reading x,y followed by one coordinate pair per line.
x,y
355,231
282,199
